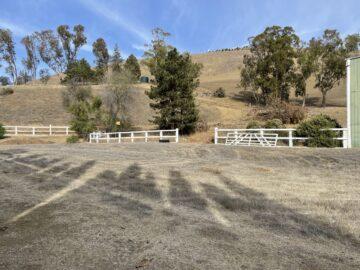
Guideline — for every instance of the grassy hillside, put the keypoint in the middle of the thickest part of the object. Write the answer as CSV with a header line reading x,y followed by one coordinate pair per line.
x,y
38,104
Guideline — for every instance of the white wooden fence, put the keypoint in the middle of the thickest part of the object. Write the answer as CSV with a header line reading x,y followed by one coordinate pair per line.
x,y
135,136
37,130
222,134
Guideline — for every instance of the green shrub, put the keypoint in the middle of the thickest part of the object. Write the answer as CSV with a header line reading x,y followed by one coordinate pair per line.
x,y
274,123
6,91
79,72
315,130
2,132
72,139
220,92
253,125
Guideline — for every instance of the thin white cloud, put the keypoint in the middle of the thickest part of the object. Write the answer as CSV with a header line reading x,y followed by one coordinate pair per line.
x,y
309,31
139,47
87,48
110,14
16,29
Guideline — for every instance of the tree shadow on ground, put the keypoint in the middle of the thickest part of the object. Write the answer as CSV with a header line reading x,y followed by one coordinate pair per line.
x,y
41,171
126,190
131,181
245,96
181,193
273,216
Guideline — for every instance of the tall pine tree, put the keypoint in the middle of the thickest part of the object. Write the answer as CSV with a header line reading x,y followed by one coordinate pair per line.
x,y
133,67
116,60
174,102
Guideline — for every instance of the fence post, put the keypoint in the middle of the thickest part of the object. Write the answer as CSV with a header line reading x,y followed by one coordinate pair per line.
x,y
90,137
161,134
33,131
97,137
16,130
146,136
67,130
108,138
132,136
119,137
345,138
216,136
177,135
291,141
261,132
50,131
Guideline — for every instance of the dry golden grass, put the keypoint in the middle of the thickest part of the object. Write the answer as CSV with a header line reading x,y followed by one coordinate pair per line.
x,y
213,207
21,140
39,104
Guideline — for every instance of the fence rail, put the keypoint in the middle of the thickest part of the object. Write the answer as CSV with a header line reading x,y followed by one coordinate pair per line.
x,y
135,136
285,134
37,130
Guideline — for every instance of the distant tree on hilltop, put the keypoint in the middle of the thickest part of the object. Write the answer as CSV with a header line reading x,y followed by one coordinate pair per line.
x,y
71,42
8,53
271,67
331,66
116,60
157,49
102,58
50,51
133,67
32,60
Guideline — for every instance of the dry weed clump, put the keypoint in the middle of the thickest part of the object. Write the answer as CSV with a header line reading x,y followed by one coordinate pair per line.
x,y
286,112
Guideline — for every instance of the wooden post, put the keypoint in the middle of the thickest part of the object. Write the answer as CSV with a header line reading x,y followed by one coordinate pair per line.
x,y
16,130
33,131
177,135
161,134
108,138
291,141
50,131
97,137
146,136
67,130
119,137
132,136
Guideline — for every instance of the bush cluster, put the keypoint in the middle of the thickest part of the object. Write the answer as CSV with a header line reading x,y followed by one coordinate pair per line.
x,y
220,92
287,113
73,139
6,91
316,129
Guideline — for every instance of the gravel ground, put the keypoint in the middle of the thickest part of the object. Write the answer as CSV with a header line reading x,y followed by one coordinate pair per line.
x,y
178,206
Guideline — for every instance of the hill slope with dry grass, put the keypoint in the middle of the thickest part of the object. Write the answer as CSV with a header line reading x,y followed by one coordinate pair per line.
x,y
38,104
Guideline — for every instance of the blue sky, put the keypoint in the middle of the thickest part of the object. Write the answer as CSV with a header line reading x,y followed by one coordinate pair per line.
x,y
196,25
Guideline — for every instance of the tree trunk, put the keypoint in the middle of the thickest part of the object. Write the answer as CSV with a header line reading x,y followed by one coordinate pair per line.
x,y
323,103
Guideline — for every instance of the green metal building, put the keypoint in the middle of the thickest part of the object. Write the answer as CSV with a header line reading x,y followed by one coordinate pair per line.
x,y
353,101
